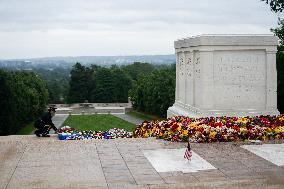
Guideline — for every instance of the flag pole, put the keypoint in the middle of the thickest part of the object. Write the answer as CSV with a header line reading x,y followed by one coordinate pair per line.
x,y
188,152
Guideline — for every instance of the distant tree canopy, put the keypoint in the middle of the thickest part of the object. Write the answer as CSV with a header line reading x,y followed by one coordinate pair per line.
x,y
275,5
57,83
98,84
154,93
137,69
23,97
151,89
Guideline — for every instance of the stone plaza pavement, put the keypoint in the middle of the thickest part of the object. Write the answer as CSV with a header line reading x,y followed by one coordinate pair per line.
x,y
31,162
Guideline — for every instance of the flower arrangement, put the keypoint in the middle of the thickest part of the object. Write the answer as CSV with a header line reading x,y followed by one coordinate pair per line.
x,y
65,129
68,133
213,129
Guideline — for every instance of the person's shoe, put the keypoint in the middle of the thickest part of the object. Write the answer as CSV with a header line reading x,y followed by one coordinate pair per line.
x,y
37,134
45,135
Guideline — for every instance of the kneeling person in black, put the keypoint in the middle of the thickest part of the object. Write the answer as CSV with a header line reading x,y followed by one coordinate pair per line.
x,y
44,123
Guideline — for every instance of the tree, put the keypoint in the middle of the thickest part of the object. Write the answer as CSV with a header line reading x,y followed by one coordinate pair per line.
x,y
278,6
98,84
122,84
104,87
275,5
54,91
5,103
81,79
57,82
154,93
279,31
137,68
23,97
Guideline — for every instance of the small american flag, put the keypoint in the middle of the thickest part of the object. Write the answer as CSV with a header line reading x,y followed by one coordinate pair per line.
x,y
188,153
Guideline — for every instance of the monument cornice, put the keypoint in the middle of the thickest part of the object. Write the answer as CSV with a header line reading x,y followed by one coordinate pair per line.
x,y
227,40
206,48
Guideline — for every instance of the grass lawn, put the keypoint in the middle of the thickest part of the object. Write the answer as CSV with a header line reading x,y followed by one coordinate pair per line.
x,y
143,116
99,122
27,130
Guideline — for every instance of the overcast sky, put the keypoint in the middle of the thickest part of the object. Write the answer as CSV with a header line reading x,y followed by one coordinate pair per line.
x,y
43,28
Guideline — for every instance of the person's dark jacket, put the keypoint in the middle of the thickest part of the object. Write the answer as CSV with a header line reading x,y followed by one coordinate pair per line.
x,y
46,119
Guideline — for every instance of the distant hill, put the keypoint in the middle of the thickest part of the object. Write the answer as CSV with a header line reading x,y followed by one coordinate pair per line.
x,y
67,62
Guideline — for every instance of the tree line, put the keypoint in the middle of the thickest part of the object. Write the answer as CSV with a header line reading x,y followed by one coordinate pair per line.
x,y
151,88
23,97
102,84
57,83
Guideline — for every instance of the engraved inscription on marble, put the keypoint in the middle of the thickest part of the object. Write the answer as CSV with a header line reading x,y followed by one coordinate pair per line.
x,y
197,66
188,63
181,63
239,77
189,79
181,84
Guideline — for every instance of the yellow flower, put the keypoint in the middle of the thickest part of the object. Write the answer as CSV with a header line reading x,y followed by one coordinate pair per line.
x,y
269,130
193,125
185,132
277,131
212,134
243,130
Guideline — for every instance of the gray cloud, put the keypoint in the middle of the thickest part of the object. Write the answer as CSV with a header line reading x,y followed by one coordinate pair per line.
x,y
94,14
122,19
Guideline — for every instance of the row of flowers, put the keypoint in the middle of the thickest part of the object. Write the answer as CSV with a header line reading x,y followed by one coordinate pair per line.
x,y
213,129
68,133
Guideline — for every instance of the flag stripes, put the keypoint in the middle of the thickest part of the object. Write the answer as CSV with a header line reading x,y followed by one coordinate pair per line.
x,y
187,154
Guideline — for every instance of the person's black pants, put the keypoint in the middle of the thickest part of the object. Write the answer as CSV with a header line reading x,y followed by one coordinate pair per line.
x,y
43,130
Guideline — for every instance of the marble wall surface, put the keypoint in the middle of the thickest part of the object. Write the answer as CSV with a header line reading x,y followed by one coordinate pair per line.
x,y
232,75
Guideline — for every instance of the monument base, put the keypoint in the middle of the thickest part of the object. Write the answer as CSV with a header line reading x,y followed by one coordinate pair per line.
x,y
179,109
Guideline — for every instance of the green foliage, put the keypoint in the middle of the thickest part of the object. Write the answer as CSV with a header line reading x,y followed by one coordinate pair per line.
x,y
98,84
105,91
6,103
122,84
137,69
23,97
279,31
152,89
275,5
154,93
101,122
57,83
280,78
27,130
278,6
79,83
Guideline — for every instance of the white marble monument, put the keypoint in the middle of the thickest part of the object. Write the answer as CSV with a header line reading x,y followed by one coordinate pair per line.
x,y
232,75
